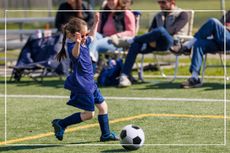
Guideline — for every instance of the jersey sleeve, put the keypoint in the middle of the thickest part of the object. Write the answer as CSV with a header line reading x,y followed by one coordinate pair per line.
x,y
88,41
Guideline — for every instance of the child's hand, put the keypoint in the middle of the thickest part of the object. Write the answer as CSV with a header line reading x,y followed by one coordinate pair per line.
x,y
93,29
78,37
96,17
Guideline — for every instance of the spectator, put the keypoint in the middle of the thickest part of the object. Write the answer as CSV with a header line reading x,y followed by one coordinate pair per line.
x,y
209,39
63,17
122,41
113,25
169,22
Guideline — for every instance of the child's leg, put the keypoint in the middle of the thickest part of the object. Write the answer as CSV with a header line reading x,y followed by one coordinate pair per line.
x,y
61,124
102,108
70,120
87,115
76,118
103,120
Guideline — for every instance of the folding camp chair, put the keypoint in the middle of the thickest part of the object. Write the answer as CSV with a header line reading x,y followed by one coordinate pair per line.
x,y
37,59
222,64
181,38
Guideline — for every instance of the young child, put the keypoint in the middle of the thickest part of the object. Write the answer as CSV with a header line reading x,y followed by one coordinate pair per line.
x,y
84,91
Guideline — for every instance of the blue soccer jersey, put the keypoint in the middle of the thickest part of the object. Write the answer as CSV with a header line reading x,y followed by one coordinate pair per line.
x,y
81,80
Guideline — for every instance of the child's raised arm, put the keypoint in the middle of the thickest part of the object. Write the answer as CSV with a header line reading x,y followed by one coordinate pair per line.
x,y
76,48
93,30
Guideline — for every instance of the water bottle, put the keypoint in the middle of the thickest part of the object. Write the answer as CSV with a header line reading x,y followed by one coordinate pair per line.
x,y
38,34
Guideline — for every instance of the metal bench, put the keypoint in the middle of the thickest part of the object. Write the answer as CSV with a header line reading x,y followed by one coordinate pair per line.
x,y
18,43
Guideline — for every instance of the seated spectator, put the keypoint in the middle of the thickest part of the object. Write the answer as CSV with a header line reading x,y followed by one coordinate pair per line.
x,y
208,39
113,24
122,41
63,17
169,22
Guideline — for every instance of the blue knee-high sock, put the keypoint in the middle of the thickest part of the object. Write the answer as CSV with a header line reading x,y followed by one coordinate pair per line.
x,y
70,120
104,124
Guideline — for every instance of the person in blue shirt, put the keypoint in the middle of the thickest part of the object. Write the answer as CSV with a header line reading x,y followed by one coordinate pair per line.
x,y
211,37
84,92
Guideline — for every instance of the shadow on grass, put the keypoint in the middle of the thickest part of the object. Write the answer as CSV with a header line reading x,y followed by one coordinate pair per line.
x,y
86,142
46,83
25,147
115,150
56,83
175,85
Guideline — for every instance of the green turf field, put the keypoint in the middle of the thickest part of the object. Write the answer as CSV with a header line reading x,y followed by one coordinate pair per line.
x,y
187,121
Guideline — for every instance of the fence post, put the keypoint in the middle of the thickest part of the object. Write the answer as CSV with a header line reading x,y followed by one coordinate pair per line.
x,y
25,7
5,4
222,4
50,7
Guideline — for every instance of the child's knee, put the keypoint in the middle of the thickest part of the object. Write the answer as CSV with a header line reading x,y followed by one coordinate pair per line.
x,y
88,115
103,111
214,21
103,108
91,115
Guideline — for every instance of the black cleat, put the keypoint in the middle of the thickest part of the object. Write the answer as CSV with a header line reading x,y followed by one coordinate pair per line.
x,y
58,130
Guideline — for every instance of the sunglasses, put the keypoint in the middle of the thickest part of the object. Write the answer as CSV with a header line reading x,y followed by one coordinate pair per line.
x,y
83,36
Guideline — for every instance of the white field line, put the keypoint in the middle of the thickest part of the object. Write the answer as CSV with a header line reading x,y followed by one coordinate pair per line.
x,y
104,144
180,76
120,98
8,74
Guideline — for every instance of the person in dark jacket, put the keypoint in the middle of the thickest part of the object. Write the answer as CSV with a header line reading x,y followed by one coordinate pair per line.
x,y
67,10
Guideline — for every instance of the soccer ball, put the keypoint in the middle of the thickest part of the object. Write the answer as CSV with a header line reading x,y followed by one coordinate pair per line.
x,y
132,137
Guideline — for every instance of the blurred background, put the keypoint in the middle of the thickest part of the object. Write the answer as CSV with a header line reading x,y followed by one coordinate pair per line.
x,y
22,17
137,5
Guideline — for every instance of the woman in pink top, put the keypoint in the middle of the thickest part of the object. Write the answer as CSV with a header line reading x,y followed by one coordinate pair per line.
x,y
114,24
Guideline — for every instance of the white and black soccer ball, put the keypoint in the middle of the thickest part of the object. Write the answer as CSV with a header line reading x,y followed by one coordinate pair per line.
x,y
132,137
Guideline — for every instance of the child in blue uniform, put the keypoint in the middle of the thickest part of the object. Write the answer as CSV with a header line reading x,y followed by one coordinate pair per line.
x,y
84,91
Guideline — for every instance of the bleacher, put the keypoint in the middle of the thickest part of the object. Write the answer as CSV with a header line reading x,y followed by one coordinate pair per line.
x,y
16,38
